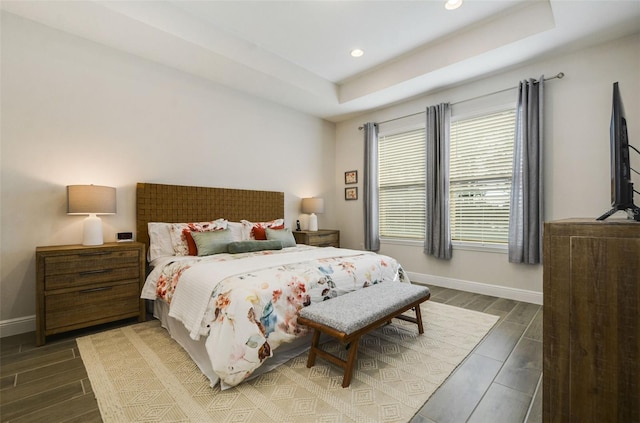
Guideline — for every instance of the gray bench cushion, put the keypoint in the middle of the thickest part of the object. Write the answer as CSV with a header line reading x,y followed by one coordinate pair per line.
x,y
355,310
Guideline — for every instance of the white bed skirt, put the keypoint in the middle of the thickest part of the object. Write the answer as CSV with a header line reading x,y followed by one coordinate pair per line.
x,y
198,352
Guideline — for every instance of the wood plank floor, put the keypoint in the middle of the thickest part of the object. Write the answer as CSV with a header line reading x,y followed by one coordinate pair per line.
x,y
498,382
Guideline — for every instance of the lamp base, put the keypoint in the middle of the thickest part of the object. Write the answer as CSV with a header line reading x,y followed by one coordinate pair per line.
x,y
92,231
313,222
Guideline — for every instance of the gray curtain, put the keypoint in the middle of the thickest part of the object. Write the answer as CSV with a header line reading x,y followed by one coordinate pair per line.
x,y
437,240
525,220
370,190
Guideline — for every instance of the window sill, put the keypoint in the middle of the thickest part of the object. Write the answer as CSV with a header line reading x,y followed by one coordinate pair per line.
x,y
467,246
485,248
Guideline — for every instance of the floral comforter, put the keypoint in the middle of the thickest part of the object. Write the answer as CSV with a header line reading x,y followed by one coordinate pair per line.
x,y
246,314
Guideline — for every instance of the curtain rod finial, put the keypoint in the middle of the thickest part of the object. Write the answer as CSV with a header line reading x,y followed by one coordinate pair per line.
x,y
560,75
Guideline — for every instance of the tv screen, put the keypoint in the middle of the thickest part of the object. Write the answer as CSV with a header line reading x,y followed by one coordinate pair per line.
x,y
621,183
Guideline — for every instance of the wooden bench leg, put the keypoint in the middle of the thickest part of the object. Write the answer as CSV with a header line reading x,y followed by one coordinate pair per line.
x,y
351,360
314,345
419,319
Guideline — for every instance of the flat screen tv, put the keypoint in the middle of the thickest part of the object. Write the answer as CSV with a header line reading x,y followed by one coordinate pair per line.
x,y
621,183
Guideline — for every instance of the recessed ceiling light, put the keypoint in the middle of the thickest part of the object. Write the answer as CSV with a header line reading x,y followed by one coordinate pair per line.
x,y
356,52
452,4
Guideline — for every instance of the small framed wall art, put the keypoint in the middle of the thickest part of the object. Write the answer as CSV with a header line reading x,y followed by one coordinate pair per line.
x,y
351,177
351,193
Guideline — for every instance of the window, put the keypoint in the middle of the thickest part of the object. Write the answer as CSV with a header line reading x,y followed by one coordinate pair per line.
x,y
480,177
480,167
401,176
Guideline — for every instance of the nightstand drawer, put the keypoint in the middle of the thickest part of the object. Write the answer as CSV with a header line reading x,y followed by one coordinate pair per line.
x,y
92,276
90,261
323,239
90,306
319,238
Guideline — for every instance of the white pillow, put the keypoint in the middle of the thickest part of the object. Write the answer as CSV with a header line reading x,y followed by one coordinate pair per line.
x,y
236,231
159,240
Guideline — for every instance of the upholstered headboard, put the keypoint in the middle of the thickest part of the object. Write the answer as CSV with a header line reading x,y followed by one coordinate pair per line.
x,y
178,203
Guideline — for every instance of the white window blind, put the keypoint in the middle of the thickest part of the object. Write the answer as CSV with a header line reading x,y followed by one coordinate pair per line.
x,y
480,177
401,174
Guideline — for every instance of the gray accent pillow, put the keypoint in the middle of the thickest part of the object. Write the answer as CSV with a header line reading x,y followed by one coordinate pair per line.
x,y
212,242
252,245
283,235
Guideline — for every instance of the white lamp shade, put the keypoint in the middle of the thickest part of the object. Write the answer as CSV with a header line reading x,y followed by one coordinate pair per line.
x,y
91,200
86,199
313,205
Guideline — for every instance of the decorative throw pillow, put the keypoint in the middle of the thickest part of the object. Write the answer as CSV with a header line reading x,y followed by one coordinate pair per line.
x,y
255,230
179,237
283,235
250,246
212,242
191,244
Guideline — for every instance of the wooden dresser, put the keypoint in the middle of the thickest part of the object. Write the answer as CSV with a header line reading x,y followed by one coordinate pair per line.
x,y
591,340
319,238
79,286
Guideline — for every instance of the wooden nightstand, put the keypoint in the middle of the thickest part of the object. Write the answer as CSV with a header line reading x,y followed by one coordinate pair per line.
x,y
319,238
79,286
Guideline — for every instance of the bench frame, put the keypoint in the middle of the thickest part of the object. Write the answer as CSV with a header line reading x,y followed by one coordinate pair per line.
x,y
354,337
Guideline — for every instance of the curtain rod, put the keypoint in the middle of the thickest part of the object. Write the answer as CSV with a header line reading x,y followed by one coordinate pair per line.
x,y
560,75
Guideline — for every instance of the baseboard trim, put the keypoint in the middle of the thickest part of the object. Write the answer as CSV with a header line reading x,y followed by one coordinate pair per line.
x,y
17,326
478,288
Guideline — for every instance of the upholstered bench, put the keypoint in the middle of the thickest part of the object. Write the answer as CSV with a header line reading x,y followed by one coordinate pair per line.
x,y
352,315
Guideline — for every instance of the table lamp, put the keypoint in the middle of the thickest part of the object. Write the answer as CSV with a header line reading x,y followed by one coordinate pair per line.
x,y
313,205
91,200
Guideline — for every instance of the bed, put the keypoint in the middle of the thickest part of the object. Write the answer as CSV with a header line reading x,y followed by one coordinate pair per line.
x,y
233,307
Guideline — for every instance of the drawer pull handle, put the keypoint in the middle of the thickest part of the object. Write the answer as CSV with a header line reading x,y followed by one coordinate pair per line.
x,y
93,272
104,288
95,253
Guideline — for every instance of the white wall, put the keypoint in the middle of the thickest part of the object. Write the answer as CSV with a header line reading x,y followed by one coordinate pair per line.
x,y
76,112
576,160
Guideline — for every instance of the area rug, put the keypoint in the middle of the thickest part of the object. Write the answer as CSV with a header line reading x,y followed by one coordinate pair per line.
x,y
139,374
